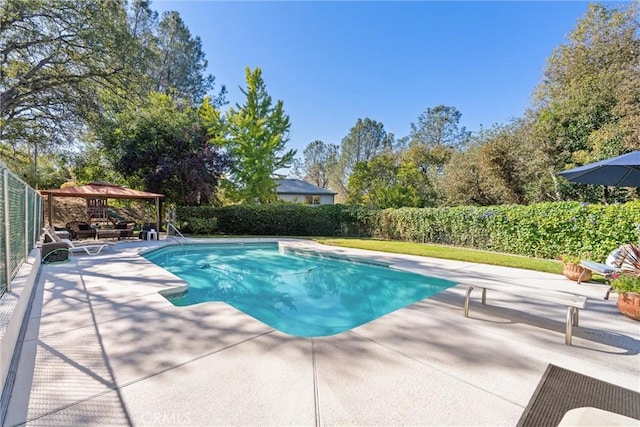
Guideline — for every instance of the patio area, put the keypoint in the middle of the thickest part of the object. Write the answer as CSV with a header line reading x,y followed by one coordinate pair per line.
x,y
103,347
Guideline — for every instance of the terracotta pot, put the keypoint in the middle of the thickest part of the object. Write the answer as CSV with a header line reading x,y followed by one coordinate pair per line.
x,y
573,272
629,304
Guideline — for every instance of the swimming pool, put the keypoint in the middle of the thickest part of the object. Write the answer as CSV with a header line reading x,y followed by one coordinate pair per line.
x,y
297,293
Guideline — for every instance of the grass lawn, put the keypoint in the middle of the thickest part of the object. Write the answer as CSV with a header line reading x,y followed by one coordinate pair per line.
x,y
449,252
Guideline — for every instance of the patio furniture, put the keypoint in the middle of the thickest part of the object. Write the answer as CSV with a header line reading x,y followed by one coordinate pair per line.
x,y
54,252
126,229
108,233
81,230
625,258
604,270
573,302
89,249
101,191
148,233
63,233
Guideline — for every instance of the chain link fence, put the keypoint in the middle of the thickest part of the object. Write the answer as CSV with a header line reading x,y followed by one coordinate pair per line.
x,y
20,224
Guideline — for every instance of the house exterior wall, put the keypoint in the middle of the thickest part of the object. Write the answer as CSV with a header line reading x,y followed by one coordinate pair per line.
x,y
325,199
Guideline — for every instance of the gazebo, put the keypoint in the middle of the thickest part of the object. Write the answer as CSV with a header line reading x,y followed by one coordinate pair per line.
x,y
97,193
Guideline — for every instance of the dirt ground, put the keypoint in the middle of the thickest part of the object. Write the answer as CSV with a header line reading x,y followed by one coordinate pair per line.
x,y
67,209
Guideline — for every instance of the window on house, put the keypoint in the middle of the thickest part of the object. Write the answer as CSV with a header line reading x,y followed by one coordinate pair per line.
x,y
312,200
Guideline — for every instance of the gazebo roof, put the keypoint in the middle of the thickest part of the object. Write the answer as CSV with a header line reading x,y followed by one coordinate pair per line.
x,y
101,190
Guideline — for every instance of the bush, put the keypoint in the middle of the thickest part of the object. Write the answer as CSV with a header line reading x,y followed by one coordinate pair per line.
x,y
280,219
203,225
544,230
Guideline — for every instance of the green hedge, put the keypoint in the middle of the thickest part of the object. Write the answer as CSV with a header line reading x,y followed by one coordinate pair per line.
x,y
545,230
280,219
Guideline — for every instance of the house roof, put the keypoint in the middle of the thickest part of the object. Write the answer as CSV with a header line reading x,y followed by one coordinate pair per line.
x,y
101,190
297,186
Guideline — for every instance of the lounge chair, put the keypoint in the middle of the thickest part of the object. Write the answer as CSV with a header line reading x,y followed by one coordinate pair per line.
x,y
63,233
604,270
625,258
91,249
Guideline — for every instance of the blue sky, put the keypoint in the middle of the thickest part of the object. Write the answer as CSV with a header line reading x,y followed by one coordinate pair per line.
x,y
334,62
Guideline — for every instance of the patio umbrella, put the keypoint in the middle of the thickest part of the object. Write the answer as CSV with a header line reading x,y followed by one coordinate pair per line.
x,y
621,171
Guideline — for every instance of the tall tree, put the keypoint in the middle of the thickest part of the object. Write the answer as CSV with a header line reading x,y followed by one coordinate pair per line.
x,y
587,106
255,137
439,127
181,65
366,139
143,24
319,162
435,138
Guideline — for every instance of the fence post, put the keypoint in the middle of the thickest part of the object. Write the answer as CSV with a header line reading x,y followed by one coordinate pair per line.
x,y
7,240
26,222
36,220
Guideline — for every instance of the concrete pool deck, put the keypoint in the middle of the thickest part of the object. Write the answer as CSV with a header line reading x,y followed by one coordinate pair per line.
x,y
102,347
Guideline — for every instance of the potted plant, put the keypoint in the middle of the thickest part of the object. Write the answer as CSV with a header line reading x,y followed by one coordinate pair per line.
x,y
572,269
627,286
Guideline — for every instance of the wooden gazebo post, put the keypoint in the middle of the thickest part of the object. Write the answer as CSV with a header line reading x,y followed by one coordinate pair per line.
x,y
158,212
50,209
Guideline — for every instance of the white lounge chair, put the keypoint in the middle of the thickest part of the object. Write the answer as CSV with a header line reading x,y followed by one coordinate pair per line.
x,y
90,249
604,270
626,258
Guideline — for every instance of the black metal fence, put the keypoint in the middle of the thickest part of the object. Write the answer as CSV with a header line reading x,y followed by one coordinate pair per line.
x,y
20,224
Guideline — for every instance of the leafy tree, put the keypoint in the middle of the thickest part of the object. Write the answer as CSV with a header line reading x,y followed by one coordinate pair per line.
x,y
462,183
53,170
366,139
92,164
439,127
55,58
494,170
320,161
254,137
389,180
587,106
165,147
67,67
503,166
428,163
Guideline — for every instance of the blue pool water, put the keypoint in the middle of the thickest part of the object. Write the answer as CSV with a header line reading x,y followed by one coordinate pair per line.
x,y
302,295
